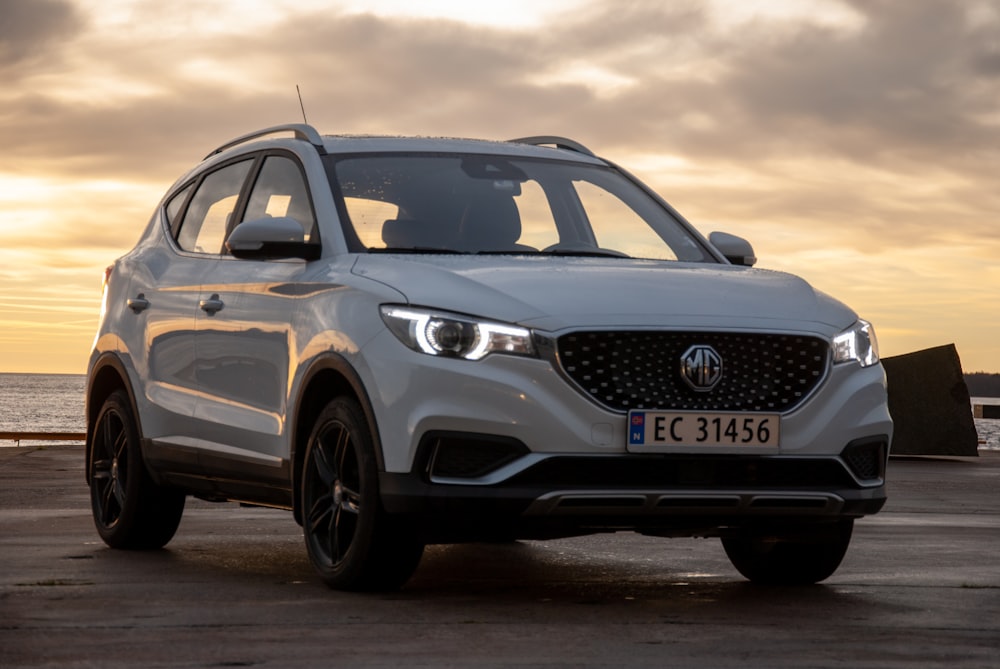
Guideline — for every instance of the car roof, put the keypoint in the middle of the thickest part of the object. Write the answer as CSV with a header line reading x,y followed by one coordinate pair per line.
x,y
380,144
541,146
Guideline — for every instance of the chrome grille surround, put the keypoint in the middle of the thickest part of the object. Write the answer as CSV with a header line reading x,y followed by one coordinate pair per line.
x,y
638,369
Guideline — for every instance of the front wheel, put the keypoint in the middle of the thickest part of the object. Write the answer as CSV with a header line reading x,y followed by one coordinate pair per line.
x,y
351,541
805,557
130,510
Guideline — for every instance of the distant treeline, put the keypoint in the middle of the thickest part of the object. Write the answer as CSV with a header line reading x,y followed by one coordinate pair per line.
x,y
982,384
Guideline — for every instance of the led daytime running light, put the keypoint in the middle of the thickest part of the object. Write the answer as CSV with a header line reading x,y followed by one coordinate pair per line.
x,y
442,334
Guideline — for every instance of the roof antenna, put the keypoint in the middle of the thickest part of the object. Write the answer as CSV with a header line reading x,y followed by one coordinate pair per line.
x,y
301,106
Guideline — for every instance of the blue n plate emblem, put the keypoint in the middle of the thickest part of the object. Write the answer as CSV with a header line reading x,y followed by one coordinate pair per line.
x,y
637,428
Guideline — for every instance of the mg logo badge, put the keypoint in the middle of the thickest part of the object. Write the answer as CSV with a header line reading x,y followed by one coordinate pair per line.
x,y
701,367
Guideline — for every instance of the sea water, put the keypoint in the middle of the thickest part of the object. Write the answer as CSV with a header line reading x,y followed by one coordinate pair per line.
x,y
988,428
41,403
54,403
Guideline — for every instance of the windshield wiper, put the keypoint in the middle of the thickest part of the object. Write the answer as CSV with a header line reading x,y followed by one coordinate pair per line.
x,y
580,252
584,252
426,250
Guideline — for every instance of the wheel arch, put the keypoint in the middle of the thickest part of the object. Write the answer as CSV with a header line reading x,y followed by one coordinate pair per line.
x,y
107,375
328,377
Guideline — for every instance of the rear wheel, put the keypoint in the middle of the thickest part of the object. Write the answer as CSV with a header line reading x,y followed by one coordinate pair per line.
x,y
801,558
351,541
130,510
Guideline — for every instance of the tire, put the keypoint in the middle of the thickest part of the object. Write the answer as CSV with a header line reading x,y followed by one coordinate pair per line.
x,y
130,510
351,541
800,559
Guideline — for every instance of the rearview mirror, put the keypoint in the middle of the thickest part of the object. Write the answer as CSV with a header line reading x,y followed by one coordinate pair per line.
x,y
271,238
737,250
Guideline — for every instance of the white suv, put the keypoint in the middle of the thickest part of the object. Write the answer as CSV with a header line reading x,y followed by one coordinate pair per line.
x,y
411,340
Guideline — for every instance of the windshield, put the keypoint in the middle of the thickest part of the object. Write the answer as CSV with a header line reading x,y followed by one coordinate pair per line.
x,y
448,203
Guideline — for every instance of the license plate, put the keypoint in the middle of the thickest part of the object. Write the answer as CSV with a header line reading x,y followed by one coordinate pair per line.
x,y
650,430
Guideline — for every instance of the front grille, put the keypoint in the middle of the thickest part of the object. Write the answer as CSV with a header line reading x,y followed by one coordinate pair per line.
x,y
642,370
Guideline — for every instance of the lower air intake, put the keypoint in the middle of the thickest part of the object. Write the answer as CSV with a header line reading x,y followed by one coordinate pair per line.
x,y
866,459
469,456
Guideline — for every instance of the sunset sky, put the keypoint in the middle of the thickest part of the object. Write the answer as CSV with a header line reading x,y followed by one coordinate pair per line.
x,y
855,143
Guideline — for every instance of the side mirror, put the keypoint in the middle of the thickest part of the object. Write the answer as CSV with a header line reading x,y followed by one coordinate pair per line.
x,y
271,238
737,250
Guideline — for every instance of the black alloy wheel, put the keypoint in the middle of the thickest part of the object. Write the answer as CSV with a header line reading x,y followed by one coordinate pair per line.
x,y
130,510
351,541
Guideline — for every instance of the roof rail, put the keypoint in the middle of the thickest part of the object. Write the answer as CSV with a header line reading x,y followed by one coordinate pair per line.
x,y
301,130
558,142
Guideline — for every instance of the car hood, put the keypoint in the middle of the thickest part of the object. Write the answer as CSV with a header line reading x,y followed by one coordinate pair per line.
x,y
554,293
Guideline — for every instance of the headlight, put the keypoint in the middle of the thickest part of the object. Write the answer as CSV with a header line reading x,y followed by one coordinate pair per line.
x,y
858,343
451,335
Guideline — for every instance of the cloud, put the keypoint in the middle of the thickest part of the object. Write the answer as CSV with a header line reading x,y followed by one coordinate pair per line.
x,y
29,29
909,77
906,82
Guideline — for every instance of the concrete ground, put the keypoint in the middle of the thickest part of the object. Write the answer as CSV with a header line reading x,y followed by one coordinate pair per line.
x,y
920,587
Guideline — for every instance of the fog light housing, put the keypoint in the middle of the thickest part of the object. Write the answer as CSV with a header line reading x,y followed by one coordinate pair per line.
x,y
866,458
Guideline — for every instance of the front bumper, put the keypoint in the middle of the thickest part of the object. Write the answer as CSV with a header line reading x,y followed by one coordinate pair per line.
x,y
669,495
505,447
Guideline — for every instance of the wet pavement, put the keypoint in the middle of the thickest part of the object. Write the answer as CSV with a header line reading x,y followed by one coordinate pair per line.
x,y
920,587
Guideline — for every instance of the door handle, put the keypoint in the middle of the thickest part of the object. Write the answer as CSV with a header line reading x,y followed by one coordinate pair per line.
x,y
212,305
138,303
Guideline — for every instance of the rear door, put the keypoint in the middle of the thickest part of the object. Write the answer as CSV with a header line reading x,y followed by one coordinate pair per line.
x,y
167,298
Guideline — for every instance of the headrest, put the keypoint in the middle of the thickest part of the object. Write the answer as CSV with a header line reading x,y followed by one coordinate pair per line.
x,y
491,224
411,233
